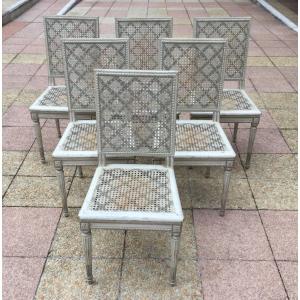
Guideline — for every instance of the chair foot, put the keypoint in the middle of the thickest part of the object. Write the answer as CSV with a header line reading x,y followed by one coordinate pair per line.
x,y
222,213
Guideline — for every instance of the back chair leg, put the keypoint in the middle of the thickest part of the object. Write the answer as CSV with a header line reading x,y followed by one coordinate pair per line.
x,y
87,246
58,128
79,171
235,130
61,180
38,134
252,134
226,181
175,239
207,172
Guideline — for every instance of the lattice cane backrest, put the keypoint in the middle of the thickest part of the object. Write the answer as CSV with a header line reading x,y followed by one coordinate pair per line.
x,y
82,56
136,112
200,65
59,27
144,35
236,31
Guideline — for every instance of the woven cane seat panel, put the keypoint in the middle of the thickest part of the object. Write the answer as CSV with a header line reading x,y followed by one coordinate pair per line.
x,y
237,35
144,41
200,137
82,137
133,190
55,96
59,28
235,100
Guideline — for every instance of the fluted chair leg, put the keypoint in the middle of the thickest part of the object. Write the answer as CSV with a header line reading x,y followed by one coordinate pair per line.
x,y
226,181
61,180
207,172
235,131
87,246
252,135
38,134
175,240
58,128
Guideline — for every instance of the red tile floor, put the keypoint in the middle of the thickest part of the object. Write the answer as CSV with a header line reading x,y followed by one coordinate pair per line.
x,y
251,253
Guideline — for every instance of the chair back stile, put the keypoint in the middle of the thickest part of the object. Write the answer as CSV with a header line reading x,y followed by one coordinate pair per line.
x,y
82,56
136,113
59,27
236,31
200,65
144,35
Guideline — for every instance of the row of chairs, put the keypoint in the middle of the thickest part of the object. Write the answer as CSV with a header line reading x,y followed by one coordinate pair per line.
x,y
136,114
143,35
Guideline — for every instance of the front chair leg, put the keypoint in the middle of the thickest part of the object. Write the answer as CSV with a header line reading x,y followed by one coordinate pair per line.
x,y
235,130
87,246
252,134
58,128
175,239
226,181
61,180
38,134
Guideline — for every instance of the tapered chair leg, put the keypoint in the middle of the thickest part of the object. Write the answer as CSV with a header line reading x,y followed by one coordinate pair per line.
x,y
58,128
235,130
38,134
87,246
61,180
226,181
79,171
252,134
175,240
207,172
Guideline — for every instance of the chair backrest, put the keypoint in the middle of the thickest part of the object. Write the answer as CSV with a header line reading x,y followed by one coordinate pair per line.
x,y
200,65
81,57
236,31
136,113
58,27
144,35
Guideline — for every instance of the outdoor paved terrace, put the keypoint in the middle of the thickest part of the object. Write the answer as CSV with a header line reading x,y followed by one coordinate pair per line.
x,y
251,253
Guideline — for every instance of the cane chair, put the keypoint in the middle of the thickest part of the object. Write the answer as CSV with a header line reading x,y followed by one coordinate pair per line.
x,y
236,107
144,35
136,113
52,104
78,145
199,63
